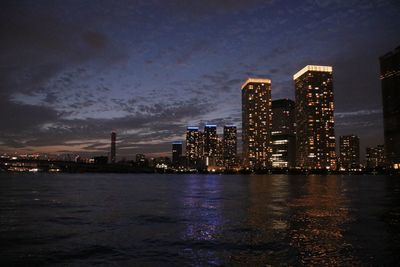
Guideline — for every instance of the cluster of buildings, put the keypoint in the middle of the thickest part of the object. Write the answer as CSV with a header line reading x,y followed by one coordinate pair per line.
x,y
206,149
287,134
296,134
276,134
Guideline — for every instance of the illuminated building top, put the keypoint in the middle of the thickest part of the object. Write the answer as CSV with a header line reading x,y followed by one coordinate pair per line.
x,y
192,128
256,80
177,143
312,68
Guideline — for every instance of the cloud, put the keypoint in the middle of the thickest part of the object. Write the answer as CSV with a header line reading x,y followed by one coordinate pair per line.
x,y
357,113
95,39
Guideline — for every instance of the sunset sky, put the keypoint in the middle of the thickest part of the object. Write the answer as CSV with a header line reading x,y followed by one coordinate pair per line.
x,y
73,71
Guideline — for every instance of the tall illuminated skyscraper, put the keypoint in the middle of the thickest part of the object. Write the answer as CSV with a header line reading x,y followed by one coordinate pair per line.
x,y
349,155
193,146
283,134
230,145
113,147
256,123
390,80
315,133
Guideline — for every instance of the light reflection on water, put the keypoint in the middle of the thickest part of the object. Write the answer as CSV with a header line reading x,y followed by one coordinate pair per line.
x,y
199,220
317,218
202,207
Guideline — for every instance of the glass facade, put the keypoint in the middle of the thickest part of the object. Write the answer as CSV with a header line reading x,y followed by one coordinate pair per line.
x,y
283,134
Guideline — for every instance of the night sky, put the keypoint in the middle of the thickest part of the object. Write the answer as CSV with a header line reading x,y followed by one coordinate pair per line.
x,y
73,71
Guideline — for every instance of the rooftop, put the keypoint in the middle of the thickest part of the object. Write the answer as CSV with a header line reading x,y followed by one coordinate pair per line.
x,y
256,80
312,68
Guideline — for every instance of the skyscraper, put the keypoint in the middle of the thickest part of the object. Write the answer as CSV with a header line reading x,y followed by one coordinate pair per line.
x,y
283,134
193,149
113,147
229,145
390,80
315,134
256,123
210,136
349,155
176,153
375,156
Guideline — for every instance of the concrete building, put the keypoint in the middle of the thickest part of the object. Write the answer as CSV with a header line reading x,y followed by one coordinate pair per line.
x,y
390,80
256,123
315,132
349,155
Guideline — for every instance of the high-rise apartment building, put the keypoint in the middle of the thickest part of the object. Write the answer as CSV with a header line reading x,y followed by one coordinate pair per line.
x,y
176,153
113,147
210,139
390,80
315,134
229,145
193,146
375,157
349,155
256,123
283,134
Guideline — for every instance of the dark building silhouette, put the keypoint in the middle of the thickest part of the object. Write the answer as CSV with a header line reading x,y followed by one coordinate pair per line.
x,y
283,134
390,80
256,123
349,155
229,145
176,153
100,160
315,134
141,160
113,147
375,157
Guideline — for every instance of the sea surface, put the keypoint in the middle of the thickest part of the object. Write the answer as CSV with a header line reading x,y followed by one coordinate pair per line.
x,y
199,220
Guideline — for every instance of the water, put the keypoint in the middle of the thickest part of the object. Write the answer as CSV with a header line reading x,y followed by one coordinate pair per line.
x,y
199,220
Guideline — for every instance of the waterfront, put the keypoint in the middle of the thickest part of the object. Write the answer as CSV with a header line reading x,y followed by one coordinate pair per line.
x,y
154,220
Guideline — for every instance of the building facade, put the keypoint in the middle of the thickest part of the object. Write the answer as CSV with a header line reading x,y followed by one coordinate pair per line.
x,y
375,157
176,153
113,152
390,81
314,108
193,146
349,154
210,139
229,145
283,134
256,123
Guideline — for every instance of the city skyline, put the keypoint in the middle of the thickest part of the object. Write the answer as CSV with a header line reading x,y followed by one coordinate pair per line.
x,y
65,88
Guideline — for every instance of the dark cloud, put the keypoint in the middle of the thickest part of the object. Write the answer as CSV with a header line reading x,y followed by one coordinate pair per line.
x,y
95,39
22,118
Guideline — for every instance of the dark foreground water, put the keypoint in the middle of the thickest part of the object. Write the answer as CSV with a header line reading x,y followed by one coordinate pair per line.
x,y
199,220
